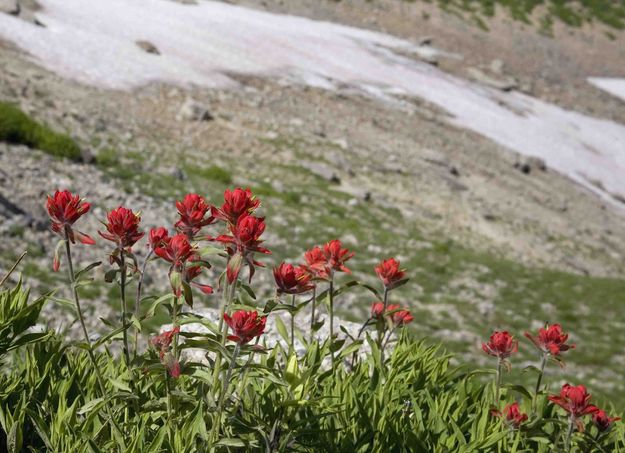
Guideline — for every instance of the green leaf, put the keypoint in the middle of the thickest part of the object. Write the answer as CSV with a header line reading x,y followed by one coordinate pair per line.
x,y
81,272
161,300
90,405
281,329
119,384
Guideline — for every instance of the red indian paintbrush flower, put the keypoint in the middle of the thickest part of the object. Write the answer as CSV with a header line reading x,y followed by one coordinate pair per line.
x,y
245,325
64,209
399,317
191,272
242,242
176,250
162,344
512,415
501,345
192,211
291,279
237,203
575,400
122,227
551,340
377,310
389,272
316,263
602,421
158,237
336,256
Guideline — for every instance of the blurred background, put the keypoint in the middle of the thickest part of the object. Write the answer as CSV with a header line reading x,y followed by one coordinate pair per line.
x,y
480,142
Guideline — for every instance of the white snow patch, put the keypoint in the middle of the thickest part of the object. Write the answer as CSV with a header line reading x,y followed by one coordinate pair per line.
x,y
94,42
615,87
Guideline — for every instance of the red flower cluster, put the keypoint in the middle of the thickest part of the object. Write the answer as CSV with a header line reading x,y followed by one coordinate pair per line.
x,y
178,251
64,209
237,202
192,211
551,340
245,325
242,242
399,317
292,279
501,345
389,272
122,227
162,344
575,400
512,415
158,237
324,262
602,421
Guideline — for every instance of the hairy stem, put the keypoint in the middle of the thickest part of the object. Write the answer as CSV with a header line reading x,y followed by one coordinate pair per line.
x,y
498,382
124,313
331,295
543,362
293,323
312,313
222,397
569,434
385,297
138,300
81,318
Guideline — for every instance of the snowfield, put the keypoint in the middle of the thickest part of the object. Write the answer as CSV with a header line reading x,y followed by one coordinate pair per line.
x,y
616,87
94,42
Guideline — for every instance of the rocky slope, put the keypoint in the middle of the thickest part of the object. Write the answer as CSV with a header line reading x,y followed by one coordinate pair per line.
x,y
491,238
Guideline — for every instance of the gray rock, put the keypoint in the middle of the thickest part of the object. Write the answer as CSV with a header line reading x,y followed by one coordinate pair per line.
x,y
497,67
503,83
323,171
148,47
192,110
9,7
527,164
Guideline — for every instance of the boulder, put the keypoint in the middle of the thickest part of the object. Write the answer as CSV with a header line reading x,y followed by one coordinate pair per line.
x,y
9,7
148,47
192,110
323,171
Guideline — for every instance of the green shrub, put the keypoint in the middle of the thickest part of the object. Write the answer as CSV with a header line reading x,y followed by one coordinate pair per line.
x,y
107,157
18,128
212,173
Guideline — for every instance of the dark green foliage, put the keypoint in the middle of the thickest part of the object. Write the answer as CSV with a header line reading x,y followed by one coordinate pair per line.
x,y
574,13
212,173
18,128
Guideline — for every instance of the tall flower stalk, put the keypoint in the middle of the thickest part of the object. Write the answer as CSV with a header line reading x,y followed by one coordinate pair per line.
x,y
550,342
500,345
64,209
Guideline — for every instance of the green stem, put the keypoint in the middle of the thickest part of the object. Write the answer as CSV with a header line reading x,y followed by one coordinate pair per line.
x,y
385,297
81,318
124,314
498,382
331,295
222,397
312,313
138,300
569,434
174,322
227,296
293,323
543,362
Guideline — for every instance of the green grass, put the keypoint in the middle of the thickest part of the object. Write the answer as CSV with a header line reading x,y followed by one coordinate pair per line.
x,y
18,128
212,173
574,13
